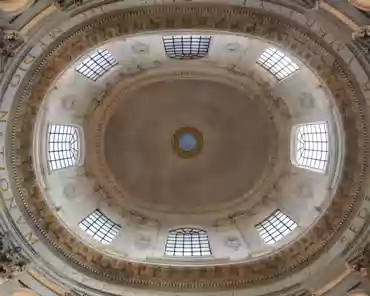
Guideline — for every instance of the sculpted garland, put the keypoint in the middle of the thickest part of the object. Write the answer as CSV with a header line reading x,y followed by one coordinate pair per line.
x,y
349,99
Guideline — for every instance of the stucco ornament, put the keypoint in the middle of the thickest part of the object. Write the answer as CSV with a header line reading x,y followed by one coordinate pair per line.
x,y
9,42
10,262
233,243
309,3
139,47
66,4
307,101
361,263
143,242
362,37
74,293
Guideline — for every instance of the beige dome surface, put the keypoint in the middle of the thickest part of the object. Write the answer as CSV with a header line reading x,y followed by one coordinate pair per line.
x,y
135,156
237,133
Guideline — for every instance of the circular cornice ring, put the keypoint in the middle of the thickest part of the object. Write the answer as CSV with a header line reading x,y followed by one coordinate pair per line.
x,y
317,55
278,163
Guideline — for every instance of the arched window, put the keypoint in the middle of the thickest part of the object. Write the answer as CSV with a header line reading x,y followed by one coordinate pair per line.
x,y
312,146
187,242
63,146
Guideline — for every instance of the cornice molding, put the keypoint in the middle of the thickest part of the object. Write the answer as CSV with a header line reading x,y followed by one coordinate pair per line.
x,y
278,169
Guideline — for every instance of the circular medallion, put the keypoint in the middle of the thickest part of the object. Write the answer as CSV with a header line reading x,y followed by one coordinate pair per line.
x,y
187,142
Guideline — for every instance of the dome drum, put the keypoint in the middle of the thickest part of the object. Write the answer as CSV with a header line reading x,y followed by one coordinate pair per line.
x,y
190,140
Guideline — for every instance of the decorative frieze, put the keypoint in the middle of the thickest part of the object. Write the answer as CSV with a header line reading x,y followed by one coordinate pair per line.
x,y
361,262
74,293
9,42
309,3
10,261
68,4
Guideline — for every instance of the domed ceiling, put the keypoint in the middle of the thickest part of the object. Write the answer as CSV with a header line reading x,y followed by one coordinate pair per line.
x,y
236,141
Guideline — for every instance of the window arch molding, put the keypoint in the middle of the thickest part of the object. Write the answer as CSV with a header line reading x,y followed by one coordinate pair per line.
x,y
310,146
187,242
65,146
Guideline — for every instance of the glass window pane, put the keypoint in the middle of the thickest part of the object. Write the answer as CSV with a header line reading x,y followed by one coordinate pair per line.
x,y
97,64
63,146
186,47
312,146
100,227
277,63
275,227
188,242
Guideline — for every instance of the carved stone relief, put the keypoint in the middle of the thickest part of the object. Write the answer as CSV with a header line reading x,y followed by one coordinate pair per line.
x,y
74,293
139,47
362,37
10,261
232,46
233,242
143,242
69,103
309,3
307,101
9,42
67,4
361,262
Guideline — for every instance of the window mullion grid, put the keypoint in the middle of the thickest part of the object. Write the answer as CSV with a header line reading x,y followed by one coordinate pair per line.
x,y
97,64
282,222
100,227
277,63
108,231
96,76
183,47
60,154
312,146
94,223
186,242
271,230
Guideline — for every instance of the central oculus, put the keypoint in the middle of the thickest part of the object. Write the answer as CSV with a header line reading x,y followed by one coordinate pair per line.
x,y
187,142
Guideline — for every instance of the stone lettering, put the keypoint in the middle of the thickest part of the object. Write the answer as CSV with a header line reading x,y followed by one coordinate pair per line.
x,y
31,239
55,33
354,229
3,114
2,153
12,203
363,213
20,220
15,80
4,185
